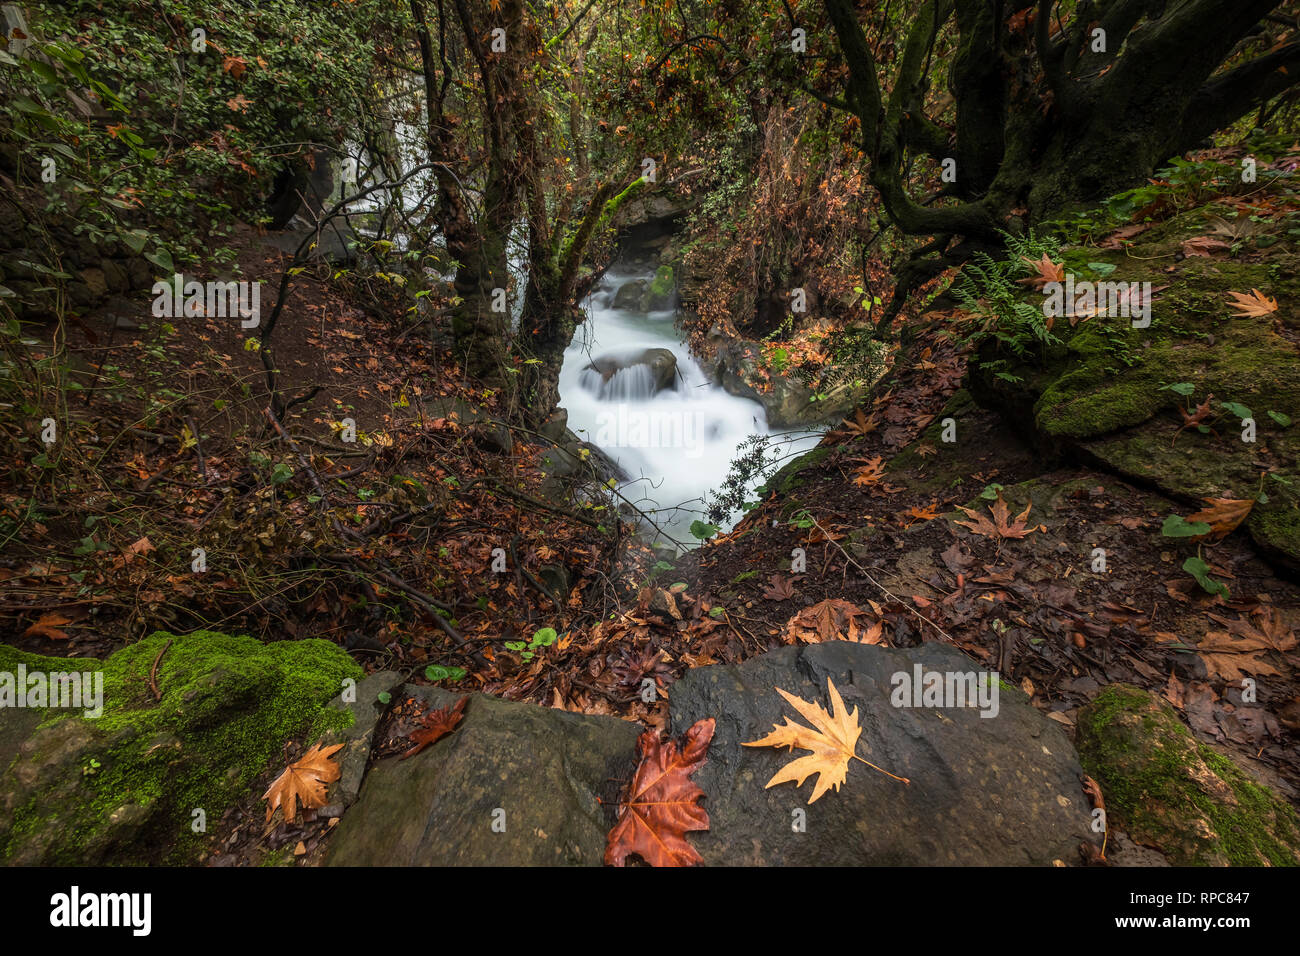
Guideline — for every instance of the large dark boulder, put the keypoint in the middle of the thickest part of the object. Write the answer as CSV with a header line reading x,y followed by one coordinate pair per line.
x,y
547,775
124,782
1001,790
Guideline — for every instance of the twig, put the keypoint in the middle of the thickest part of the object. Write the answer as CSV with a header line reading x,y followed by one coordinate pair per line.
x,y
153,672
883,590
198,448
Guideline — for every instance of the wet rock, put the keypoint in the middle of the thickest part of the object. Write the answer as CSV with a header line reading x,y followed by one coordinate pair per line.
x,y
366,709
629,294
122,787
660,364
514,785
1170,792
1002,790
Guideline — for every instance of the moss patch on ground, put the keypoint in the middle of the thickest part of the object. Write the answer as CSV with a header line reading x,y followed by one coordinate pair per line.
x,y
789,478
123,787
1168,791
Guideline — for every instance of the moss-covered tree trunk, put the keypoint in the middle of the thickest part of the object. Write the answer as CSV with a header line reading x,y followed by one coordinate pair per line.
x,y
550,313
1048,112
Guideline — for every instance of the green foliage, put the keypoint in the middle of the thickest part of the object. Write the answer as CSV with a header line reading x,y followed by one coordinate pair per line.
x,y
988,290
436,672
1176,526
1198,569
542,637
183,140
703,530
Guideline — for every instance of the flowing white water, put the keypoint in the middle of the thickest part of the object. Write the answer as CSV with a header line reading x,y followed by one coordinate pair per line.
x,y
677,444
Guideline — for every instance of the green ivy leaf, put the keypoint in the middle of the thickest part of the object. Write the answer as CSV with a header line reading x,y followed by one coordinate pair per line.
x,y
436,672
1176,526
1201,571
703,530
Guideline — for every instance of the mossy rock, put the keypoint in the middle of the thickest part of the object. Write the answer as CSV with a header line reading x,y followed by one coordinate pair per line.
x,y
1168,791
122,787
1102,393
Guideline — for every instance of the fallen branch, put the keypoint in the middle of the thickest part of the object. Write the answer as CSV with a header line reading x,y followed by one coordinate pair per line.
x,y
153,672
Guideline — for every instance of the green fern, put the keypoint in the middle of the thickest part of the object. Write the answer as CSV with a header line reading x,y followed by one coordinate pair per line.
x,y
988,289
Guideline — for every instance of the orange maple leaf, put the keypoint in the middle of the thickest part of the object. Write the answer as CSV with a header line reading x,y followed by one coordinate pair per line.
x,y
870,473
859,425
303,781
1048,271
1254,305
928,513
435,725
49,625
662,803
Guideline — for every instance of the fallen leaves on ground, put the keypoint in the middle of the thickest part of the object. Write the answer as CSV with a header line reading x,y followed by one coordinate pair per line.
x,y
781,588
435,725
303,782
833,620
661,807
928,513
49,625
1233,659
1205,246
856,427
1000,526
1252,306
832,739
1223,514
870,473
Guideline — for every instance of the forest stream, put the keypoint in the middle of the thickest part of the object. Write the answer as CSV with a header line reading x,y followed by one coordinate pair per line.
x,y
679,439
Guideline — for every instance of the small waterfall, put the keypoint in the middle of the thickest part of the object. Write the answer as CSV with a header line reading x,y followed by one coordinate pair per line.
x,y
634,383
676,443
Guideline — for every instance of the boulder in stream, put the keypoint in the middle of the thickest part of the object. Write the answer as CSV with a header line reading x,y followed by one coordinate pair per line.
x,y
633,376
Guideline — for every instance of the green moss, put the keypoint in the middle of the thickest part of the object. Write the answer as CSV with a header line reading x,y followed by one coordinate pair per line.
x,y
787,479
1166,789
662,284
123,786
1102,391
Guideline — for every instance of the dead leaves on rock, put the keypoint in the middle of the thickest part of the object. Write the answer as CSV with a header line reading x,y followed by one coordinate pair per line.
x,y
662,804
1001,526
1223,514
304,781
435,725
832,740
